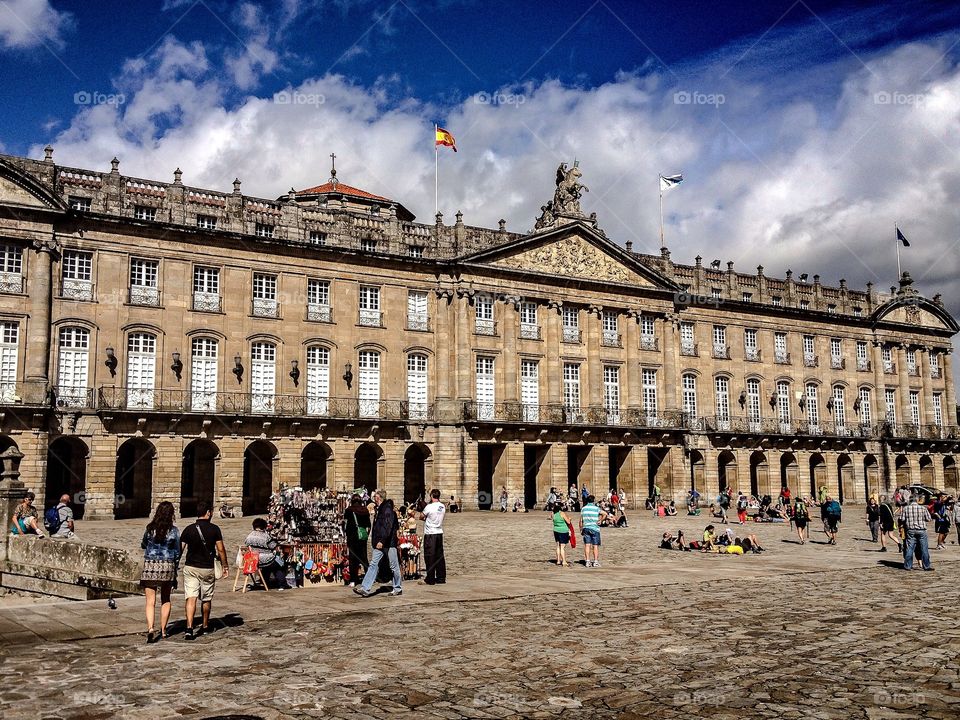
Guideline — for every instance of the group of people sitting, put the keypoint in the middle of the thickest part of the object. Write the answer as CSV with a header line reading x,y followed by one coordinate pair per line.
x,y
723,543
57,521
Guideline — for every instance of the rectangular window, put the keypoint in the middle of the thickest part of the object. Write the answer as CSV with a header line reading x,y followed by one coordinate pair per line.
x,y
530,390
77,275
777,301
813,409
318,300
9,358
836,354
780,348
611,393
887,355
206,222
417,386
144,281
79,203
483,313
715,293
648,385
911,362
318,380
753,404
263,377
648,333
866,407
934,364
417,310
317,237
368,362
840,410
368,245
720,341
486,397
747,297
571,324
863,357
11,259
688,345
263,230
265,295
143,212
722,387
571,386
750,349
689,384
809,351
914,407
206,289
203,375
938,410
529,329
415,251
804,304
890,399
611,335
73,362
832,309
783,406
858,312
370,315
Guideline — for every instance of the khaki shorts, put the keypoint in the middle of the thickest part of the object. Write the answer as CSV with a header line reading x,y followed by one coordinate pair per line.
x,y
199,583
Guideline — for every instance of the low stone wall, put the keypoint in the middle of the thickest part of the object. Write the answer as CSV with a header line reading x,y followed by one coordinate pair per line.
x,y
68,569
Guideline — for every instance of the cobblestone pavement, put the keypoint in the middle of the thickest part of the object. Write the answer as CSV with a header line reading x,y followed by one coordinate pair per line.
x,y
797,632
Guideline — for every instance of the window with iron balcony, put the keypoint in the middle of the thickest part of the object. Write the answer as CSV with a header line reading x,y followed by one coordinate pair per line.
x,y
265,296
318,301
370,314
571,325
206,289
11,269
77,278
143,282
648,333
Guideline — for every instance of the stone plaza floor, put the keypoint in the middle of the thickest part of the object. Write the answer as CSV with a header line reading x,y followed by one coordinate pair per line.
x,y
812,631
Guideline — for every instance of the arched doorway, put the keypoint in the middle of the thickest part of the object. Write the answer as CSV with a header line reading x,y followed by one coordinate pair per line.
x,y
366,464
8,442
950,479
198,472
902,465
727,470
790,473
314,461
927,475
67,473
698,467
818,474
133,480
845,478
871,476
258,461
414,473
759,475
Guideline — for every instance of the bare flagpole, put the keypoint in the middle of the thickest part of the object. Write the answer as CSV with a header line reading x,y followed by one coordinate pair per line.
x,y
660,185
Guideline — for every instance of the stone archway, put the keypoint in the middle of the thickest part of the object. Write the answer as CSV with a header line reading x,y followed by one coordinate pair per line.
x,y
67,473
415,473
258,461
314,465
790,473
727,471
198,471
902,468
759,475
818,474
133,480
366,466
698,471
845,479
871,476
951,482
927,474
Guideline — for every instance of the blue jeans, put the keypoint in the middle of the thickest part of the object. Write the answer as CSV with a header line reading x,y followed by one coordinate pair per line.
x,y
371,575
913,537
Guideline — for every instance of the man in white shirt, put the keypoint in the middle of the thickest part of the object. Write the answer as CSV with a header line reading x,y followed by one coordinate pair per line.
x,y
432,516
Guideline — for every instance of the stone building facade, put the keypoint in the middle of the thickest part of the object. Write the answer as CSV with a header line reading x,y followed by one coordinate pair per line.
x,y
165,342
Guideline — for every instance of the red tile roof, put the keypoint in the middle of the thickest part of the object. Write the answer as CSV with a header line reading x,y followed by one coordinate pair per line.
x,y
342,189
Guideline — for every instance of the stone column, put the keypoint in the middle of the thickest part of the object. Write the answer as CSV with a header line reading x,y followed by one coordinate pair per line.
x,y
630,394
879,403
465,360
444,330
40,287
511,373
950,411
904,405
552,372
926,412
11,493
591,387
669,351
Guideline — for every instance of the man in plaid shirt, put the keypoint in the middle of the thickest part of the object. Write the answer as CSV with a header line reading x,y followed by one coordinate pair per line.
x,y
914,518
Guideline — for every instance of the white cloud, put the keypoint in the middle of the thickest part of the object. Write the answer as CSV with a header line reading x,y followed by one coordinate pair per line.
x,y
26,24
810,181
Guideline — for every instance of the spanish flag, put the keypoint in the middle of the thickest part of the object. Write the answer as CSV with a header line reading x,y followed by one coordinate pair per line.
x,y
444,138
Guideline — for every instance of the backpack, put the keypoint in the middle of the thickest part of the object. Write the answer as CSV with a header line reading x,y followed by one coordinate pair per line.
x,y
51,519
801,512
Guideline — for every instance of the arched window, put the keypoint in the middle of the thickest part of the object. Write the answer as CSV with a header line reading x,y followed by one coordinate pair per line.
x,y
783,406
318,380
840,409
141,369
73,365
417,386
866,407
753,404
369,381
722,385
689,383
263,377
203,374
813,409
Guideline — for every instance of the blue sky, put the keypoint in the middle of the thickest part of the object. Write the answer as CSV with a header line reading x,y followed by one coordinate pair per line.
x,y
804,129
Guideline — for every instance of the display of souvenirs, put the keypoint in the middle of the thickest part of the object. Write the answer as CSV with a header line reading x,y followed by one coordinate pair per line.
x,y
315,516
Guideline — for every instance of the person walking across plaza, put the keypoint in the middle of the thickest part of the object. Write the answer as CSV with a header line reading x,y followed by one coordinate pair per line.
x,y
832,512
888,521
561,535
590,518
356,528
504,499
743,505
941,520
801,517
202,545
383,537
915,517
161,553
956,517
433,557
873,518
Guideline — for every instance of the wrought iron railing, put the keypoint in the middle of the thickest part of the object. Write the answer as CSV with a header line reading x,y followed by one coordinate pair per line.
x,y
482,326
418,321
611,339
571,334
649,342
317,312
559,414
690,349
27,394
774,426
781,357
144,295
529,331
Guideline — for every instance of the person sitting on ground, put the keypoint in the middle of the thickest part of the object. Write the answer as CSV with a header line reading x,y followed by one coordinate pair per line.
x,y
751,544
259,541
734,548
26,518
666,542
709,540
59,519
681,541
671,509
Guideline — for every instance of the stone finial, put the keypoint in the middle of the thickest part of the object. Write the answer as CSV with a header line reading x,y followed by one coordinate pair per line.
x,y
236,186
760,270
665,253
843,283
178,177
629,246
459,217
48,153
502,225
789,274
938,299
698,261
816,279
114,165
439,219
730,266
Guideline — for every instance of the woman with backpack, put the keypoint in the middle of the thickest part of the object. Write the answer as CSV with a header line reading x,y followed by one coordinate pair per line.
x,y
356,523
801,517
161,556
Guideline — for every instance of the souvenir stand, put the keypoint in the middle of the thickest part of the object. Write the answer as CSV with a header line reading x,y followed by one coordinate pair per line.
x,y
309,532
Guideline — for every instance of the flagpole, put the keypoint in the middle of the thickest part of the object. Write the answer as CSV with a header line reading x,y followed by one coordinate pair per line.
x,y
896,239
436,173
660,185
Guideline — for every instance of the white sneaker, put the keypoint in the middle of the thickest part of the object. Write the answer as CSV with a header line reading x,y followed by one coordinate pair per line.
x,y
589,563
596,563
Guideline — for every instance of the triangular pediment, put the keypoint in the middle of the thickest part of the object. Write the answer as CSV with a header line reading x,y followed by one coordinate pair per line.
x,y
20,189
573,251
